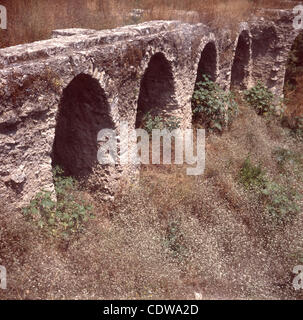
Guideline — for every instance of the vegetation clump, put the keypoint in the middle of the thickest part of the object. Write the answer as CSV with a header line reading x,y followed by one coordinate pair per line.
x,y
280,202
151,122
251,175
212,106
64,217
261,99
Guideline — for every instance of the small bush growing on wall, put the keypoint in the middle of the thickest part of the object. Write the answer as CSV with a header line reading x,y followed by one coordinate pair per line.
x,y
157,122
212,106
260,98
63,217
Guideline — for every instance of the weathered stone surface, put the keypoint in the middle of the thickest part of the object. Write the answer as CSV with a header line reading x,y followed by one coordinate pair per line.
x,y
37,83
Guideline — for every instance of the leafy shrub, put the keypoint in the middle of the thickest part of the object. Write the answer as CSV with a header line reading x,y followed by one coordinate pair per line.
x,y
251,175
260,98
212,106
157,122
281,203
63,217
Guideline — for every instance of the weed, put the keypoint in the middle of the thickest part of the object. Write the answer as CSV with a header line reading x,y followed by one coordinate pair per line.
x,y
281,202
261,99
63,217
212,106
251,175
157,122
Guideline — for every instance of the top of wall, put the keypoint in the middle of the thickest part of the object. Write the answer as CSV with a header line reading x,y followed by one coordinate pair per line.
x,y
79,39
75,39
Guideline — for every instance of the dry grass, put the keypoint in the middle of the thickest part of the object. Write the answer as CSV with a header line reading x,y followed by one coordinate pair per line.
x,y
171,235
32,20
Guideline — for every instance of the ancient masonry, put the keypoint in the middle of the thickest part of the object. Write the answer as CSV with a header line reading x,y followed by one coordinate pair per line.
x,y
55,95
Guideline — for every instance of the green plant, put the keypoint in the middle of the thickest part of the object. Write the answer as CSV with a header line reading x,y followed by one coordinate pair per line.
x,y
251,175
174,239
157,122
63,217
212,106
260,98
281,202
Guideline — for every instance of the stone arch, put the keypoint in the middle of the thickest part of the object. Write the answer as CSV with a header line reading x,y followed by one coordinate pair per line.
x,y
83,112
208,62
292,82
157,89
207,66
294,61
240,68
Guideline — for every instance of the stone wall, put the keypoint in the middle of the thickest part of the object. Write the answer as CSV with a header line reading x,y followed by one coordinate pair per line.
x,y
81,81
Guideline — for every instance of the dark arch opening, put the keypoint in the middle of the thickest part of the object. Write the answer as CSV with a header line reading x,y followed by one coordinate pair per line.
x,y
208,63
83,112
156,89
239,70
294,66
207,67
293,81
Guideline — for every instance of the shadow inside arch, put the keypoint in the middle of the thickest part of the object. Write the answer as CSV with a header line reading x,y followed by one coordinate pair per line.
x,y
156,89
83,112
240,66
208,63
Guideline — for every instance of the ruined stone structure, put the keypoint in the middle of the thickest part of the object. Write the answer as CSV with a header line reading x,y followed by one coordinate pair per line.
x,y
55,95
